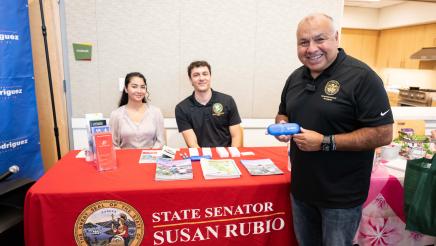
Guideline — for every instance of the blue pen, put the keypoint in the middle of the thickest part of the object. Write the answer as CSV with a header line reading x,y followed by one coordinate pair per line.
x,y
198,157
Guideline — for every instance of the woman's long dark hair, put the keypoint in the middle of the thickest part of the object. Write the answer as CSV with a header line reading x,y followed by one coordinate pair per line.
x,y
124,96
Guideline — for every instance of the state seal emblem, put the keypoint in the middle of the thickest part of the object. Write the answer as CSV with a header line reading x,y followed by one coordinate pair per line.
x,y
217,109
109,222
332,87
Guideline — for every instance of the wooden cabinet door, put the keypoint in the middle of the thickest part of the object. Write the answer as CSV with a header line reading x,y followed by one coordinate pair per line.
x,y
383,49
369,47
413,37
429,39
391,47
396,55
395,46
361,44
351,41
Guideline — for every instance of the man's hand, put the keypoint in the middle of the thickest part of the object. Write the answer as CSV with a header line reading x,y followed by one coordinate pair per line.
x,y
283,138
190,138
308,140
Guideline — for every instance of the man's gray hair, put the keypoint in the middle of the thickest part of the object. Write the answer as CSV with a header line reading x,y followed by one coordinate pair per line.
x,y
322,15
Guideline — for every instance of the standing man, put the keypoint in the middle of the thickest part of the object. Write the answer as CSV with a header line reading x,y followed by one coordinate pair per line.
x,y
207,118
344,114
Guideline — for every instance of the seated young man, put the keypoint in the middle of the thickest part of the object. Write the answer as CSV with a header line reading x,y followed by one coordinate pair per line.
x,y
207,118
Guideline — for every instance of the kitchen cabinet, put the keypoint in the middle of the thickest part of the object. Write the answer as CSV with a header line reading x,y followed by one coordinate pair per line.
x,y
430,35
393,98
390,48
361,44
396,45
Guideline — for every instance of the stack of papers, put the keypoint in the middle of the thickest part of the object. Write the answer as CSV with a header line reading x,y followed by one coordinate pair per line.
x,y
261,167
219,169
222,152
150,155
193,152
206,151
234,152
168,169
168,152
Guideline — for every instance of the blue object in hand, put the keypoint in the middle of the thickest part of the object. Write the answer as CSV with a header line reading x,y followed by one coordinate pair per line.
x,y
283,129
198,157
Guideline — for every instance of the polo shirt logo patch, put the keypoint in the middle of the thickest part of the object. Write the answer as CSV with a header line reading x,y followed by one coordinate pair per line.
x,y
331,88
217,109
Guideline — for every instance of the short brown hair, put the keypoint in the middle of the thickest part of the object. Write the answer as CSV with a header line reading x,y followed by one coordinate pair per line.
x,y
195,64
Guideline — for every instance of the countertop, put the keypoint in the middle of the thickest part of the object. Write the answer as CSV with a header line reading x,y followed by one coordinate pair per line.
x,y
414,113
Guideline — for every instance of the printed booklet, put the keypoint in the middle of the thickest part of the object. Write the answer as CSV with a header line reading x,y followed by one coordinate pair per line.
x,y
219,169
261,167
150,155
168,169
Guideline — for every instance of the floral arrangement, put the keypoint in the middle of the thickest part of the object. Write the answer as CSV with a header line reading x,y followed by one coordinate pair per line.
x,y
415,146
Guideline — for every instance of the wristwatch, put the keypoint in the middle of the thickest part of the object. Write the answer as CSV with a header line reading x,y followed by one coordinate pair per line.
x,y
325,144
328,143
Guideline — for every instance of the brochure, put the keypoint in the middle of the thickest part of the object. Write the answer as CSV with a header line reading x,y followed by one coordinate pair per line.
x,y
168,152
168,169
217,169
93,120
99,129
261,167
150,155
104,151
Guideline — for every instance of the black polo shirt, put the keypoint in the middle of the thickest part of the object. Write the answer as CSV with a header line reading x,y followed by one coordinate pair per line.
x,y
346,96
210,122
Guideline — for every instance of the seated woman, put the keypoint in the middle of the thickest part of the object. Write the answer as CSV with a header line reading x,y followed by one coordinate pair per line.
x,y
136,123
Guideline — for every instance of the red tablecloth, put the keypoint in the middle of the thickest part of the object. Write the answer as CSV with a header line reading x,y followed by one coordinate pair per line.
x,y
251,210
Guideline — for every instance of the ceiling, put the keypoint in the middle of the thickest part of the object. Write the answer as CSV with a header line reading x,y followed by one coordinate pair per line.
x,y
377,3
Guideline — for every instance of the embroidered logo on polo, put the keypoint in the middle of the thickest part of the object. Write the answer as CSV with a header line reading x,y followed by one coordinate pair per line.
x,y
331,88
217,109
109,222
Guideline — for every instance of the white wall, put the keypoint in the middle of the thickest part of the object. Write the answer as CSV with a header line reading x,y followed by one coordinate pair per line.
x,y
403,78
360,18
250,44
404,14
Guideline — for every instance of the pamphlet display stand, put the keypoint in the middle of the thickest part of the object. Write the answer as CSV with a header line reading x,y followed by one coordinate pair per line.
x,y
93,120
105,157
100,149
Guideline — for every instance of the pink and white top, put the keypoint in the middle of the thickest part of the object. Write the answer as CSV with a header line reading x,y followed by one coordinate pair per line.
x,y
148,133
